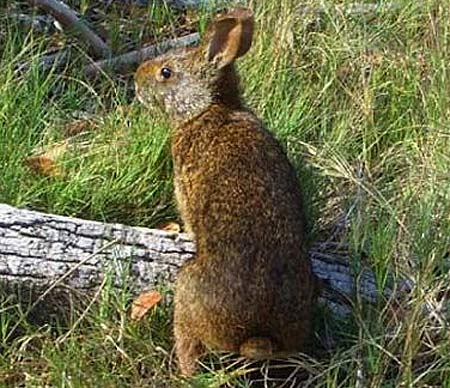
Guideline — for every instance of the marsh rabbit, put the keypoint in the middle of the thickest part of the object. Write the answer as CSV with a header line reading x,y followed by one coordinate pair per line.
x,y
250,288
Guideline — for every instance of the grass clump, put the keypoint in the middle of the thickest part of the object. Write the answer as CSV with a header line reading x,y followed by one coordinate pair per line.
x,y
361,102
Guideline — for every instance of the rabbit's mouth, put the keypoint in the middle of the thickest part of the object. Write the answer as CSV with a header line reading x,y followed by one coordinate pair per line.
x,y
149,100
139,95
144,98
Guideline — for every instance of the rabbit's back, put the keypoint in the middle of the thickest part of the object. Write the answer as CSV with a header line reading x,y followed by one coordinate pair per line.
x,y
238,179
244,207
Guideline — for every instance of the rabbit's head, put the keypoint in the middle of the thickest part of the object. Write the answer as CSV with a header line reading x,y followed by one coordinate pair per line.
x,y
185,82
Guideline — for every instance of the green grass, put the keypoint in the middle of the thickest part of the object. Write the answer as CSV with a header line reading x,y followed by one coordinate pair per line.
x,y
362,104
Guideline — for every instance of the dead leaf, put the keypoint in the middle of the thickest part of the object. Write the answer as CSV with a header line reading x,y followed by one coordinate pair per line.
x,y
44,162
76,127
170,226
144,302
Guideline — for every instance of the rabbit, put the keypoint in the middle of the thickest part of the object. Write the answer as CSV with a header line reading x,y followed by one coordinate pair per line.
x,y
250,288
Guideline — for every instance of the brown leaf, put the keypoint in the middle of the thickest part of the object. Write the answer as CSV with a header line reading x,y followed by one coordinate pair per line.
x,y
144,302
170,226
44,162
77,126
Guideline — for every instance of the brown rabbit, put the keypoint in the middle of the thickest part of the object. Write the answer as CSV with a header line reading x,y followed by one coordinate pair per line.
x,y
250,288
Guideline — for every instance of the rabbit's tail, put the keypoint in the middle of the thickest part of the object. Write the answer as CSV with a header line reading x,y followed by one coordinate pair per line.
x,y
257,348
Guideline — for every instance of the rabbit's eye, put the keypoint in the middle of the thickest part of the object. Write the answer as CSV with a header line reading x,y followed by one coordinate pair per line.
x,y
166,72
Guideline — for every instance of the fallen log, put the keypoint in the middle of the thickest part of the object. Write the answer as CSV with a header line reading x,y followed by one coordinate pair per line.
x,y
43,253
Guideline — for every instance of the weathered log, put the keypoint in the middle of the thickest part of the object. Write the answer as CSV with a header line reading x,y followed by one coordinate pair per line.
x,y
43,253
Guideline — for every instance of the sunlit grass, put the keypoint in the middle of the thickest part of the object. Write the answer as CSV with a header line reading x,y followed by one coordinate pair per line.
x,y
362,104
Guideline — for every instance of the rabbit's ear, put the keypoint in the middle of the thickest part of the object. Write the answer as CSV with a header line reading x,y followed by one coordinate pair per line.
x,y
230,37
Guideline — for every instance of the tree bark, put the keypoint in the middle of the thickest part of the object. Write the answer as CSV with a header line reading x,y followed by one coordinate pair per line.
x,y
43,253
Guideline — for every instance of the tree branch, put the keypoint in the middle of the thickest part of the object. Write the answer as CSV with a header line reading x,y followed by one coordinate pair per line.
x,y
130,61
68,18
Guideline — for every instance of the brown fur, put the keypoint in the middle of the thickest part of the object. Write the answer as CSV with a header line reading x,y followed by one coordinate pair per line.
x,y
250,288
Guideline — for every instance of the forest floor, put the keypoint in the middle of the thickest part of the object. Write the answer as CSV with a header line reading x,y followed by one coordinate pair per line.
x,y
359,97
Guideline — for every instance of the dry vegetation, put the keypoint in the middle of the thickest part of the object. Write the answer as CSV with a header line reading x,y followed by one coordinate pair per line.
x,y
361,100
